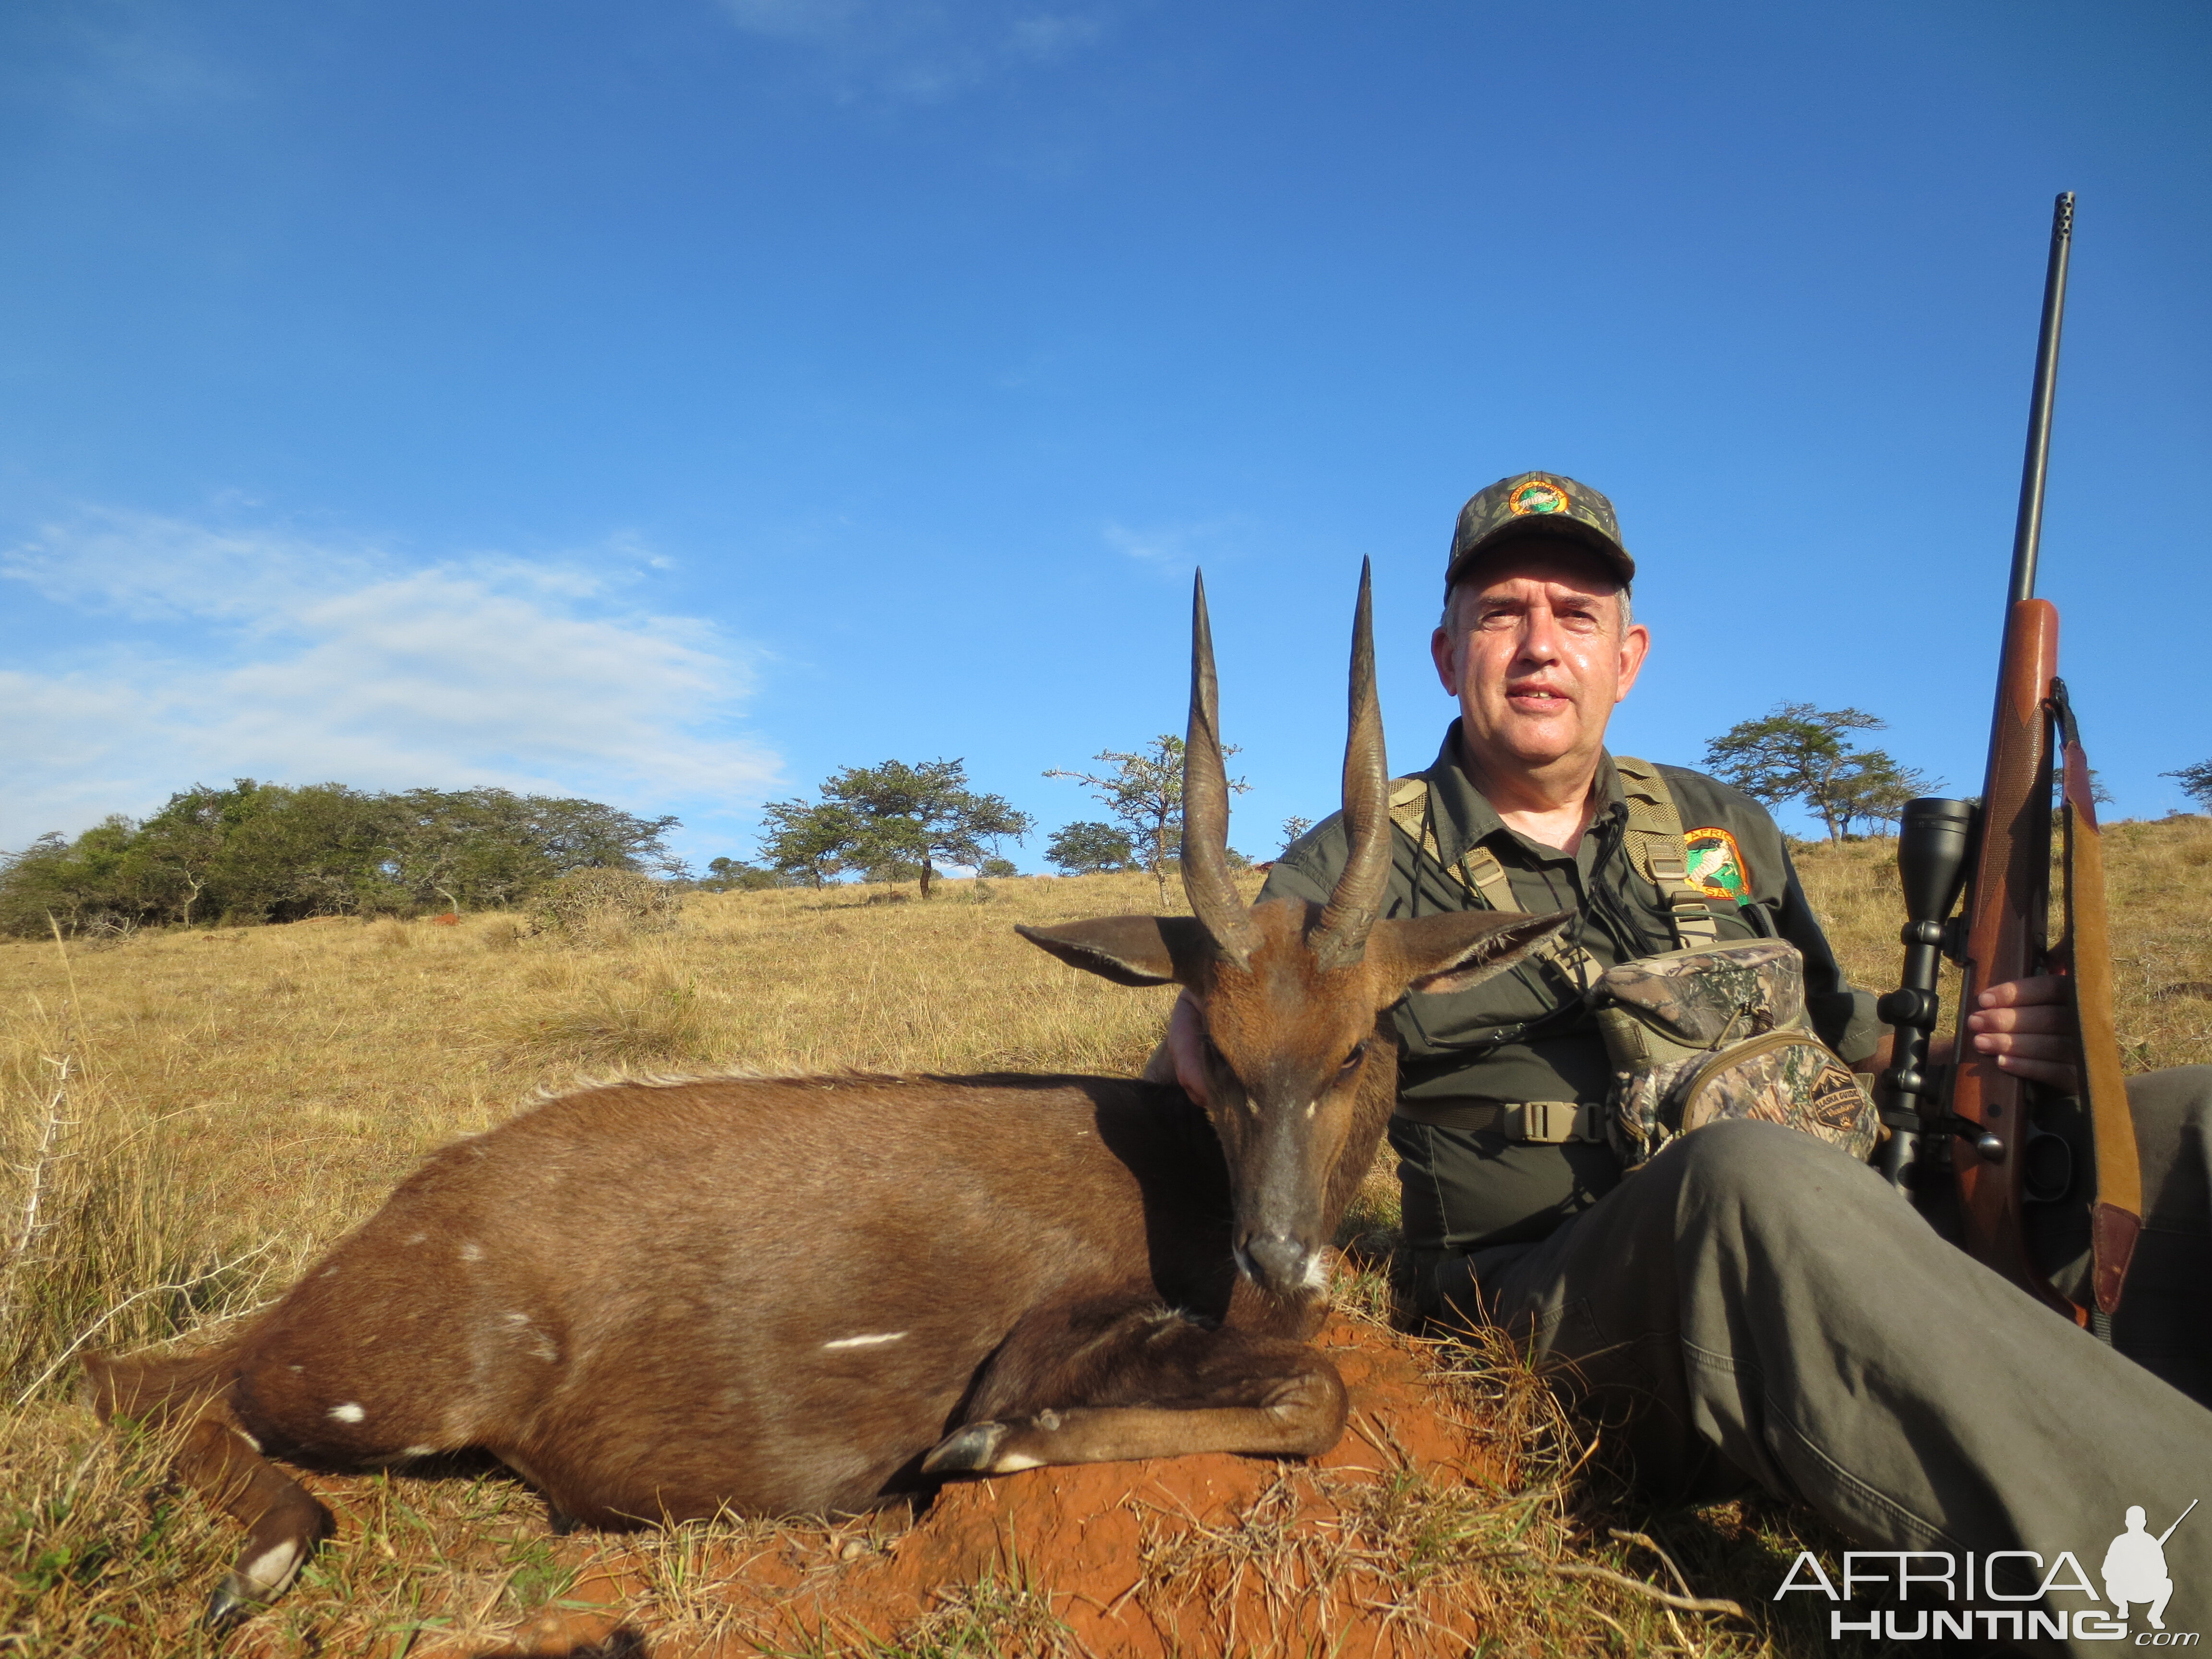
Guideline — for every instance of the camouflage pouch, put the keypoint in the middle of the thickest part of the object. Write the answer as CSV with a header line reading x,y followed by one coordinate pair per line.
x,y
1720,1031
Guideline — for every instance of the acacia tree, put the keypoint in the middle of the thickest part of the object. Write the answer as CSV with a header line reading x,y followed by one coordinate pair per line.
x,y
895,818
1143,791
807,840
920,814
2196,783
1089,849
728,875
1873,789
180,844
1798,752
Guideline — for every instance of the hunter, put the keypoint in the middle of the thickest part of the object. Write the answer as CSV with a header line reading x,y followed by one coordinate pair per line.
x,y
1753,1307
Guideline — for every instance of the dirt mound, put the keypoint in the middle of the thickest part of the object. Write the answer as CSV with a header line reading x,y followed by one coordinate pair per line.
x,y
1203,1555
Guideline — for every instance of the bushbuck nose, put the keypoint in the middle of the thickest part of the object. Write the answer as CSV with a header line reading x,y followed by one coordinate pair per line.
x,y
1279,1264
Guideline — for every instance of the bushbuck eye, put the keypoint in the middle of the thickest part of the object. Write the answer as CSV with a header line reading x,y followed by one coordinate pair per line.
x,y
1359,1053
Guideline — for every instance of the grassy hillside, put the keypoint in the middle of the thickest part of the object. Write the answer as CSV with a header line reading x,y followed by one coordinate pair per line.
x,y
186,1117
2159,879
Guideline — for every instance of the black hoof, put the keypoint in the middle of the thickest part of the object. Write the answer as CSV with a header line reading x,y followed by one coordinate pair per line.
x,y
227,1608
966,1451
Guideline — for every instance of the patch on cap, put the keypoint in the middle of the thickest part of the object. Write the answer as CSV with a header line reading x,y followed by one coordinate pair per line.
x,y
1537,496
1717,865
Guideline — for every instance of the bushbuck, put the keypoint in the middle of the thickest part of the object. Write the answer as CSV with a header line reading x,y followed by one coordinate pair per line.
x,y
788,1296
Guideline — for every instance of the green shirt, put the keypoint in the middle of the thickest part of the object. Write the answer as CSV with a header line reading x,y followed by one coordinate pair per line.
x,y
1525,1035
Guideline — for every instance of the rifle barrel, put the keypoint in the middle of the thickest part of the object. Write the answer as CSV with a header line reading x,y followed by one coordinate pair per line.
x,y
2178,1520
2028,535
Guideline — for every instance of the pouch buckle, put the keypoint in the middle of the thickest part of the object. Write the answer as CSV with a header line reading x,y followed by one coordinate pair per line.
x,y
1549,1122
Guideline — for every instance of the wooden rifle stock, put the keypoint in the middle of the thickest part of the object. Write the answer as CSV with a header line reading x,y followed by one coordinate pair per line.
x,y
2005,938
2007,899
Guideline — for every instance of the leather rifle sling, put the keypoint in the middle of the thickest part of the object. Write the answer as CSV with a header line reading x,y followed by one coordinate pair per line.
x,y
2116,1216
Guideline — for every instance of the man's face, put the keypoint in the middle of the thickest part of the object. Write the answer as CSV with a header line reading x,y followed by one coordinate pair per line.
x,y
1533,649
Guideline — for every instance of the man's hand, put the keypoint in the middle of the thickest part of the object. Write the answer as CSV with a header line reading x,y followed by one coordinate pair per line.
x,y
2030,1026
1186,1047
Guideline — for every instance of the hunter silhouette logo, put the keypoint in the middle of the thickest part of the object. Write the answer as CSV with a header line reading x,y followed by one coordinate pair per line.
x,y
2003,1595
2134,1568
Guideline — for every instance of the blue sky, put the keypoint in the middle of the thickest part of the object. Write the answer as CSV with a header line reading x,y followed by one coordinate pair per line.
x,y
674,402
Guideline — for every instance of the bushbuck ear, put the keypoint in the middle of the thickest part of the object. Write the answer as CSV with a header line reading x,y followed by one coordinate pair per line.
x,y
1454,953
1128,950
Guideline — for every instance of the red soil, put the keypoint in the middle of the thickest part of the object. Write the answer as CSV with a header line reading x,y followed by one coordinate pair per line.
x,y
1194,1556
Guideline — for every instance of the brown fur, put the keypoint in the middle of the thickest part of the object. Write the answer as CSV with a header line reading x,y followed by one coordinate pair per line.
x,y
790,1296
626,1293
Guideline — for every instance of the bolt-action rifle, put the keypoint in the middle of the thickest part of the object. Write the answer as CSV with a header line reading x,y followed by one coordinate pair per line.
x,y
1975,1127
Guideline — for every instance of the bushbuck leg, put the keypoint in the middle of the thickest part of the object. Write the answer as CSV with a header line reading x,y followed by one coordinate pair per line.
x,y
1154,1384
220,1460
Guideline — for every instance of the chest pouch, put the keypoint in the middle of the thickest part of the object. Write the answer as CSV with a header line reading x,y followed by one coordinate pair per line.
x,y
1719,1032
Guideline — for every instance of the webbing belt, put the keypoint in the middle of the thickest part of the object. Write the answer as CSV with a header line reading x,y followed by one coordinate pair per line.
x,y
1545,1121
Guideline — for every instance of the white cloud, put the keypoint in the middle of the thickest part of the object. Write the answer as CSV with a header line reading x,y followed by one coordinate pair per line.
x,y
1175,549
288,659
924,50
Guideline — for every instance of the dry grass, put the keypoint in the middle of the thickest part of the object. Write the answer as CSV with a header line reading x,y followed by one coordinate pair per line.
x,y
186,1118
2160,880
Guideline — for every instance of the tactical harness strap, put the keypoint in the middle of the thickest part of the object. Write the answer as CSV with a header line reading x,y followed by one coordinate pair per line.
x,y
1652,838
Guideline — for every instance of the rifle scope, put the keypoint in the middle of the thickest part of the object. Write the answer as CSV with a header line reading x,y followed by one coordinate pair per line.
x,y
1932,847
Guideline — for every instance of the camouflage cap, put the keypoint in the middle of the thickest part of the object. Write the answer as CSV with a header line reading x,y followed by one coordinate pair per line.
x,y
1537,504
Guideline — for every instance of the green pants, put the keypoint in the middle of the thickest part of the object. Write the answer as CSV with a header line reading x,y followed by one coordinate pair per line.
x,y
1754,1308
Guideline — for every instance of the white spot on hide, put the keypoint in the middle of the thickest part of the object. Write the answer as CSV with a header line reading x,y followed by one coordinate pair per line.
x,y
248,1439
866,1341
1317,1272
541,1344
295,1369
348,1413
271,1570
417,1451
417,1238
472,1251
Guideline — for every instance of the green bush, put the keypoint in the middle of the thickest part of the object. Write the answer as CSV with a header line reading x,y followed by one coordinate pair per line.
x,y
264,852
